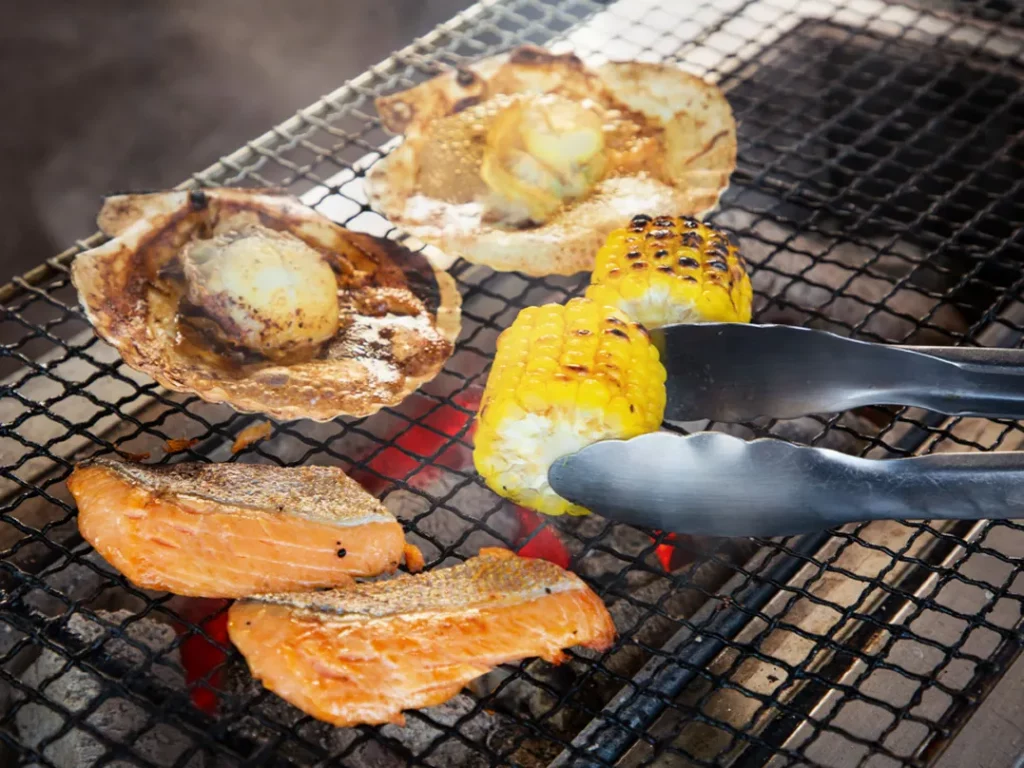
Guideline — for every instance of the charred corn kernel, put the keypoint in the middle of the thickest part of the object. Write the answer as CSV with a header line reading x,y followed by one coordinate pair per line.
x,y
669,269
564,376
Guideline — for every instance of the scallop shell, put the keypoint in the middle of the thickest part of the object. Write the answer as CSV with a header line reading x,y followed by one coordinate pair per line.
x,y
131,296
656,94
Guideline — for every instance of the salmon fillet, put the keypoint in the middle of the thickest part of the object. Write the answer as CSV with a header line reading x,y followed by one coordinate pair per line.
x,y
364,653
228,530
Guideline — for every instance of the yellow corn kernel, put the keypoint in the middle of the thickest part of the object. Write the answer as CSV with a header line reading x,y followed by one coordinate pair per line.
x,y
587,373
668,269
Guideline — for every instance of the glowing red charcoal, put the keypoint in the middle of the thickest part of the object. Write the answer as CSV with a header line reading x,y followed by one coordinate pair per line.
x,y
200,657
438,428
670,554
544,544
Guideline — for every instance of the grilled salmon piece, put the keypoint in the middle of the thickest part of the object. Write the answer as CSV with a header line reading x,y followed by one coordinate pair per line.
x,y
364,653
228,530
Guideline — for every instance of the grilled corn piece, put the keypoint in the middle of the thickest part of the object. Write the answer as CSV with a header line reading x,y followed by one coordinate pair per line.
x,y
670,269
564,376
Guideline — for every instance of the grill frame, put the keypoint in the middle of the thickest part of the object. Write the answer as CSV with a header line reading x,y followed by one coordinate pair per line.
x,y
772,576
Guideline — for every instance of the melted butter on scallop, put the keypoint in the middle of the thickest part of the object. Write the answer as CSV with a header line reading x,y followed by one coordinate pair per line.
x,y
525,156
540,153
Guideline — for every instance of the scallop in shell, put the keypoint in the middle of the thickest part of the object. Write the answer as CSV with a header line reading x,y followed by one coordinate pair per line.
x,y
250,298
527,160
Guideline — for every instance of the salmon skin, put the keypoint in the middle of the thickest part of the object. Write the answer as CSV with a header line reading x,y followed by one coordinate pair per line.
x,y
366,652
229,530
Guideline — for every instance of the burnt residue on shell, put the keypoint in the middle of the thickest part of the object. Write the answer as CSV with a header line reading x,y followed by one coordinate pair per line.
x,y
464,104
692,240
659,234
416,270
528,54
688,262
198,200
532,55
617,332
396,114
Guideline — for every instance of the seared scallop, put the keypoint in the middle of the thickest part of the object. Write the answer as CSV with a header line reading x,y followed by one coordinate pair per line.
x,y
250,298
528,160
266,291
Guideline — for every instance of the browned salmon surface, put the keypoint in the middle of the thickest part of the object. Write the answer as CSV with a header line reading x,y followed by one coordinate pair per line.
x,y
366,652
228,530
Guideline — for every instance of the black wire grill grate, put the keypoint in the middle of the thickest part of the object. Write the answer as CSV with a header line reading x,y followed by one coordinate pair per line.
x,y
877,194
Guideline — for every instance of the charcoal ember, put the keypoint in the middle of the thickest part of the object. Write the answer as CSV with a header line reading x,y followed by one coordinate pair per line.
x,y
11,642
640,627
118,719
606,553
535,692
406,505
266,716
427,730
86,583
833,284
443,526
522,747
371,752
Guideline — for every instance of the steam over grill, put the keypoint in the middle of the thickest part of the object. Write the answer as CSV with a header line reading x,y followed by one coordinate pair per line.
x,y
877,195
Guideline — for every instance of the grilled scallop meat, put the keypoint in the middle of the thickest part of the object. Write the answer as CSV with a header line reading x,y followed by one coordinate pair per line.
x,y
527,160
250,298
366,652
263,290
228,530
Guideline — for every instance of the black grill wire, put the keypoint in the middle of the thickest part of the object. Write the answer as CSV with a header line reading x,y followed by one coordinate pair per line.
x,y
877,194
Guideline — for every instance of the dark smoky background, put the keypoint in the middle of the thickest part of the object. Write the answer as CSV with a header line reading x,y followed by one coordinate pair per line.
x,y
115,95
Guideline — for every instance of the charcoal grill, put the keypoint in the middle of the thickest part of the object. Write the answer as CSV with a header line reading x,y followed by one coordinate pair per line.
x,y
877,194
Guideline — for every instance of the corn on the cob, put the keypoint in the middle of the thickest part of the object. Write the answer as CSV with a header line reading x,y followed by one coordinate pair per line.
x,y
564,376
669,269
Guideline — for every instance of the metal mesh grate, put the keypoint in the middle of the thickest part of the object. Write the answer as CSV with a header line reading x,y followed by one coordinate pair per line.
x,y
877,194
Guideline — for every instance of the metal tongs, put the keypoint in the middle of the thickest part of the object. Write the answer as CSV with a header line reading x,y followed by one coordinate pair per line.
x,y
717,485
